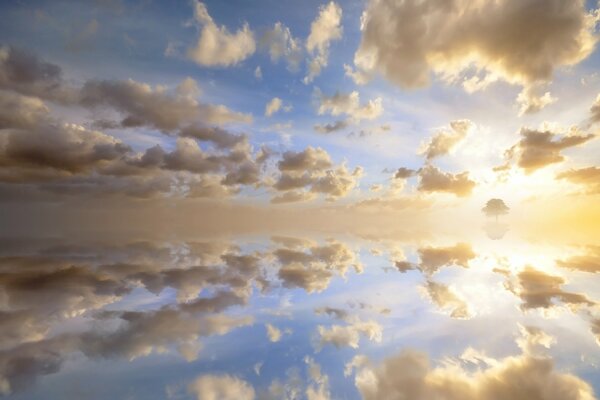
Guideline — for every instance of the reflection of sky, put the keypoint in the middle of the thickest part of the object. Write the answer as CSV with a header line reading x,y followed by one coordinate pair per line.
x,y
397,302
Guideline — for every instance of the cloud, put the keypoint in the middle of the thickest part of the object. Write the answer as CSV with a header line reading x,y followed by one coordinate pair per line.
x,y
446,139
146,332
540,290
273,106
409,375
431,259
333,312
312,267
596,330
588,177
348,335
258,73
349,104
26,74
73,149
519,42
281,44
595,111
273,333
432,179
143,105
323,30
586,262
446,299
404,173
310,172
45,287
217,46
540,148
20,112
22,365
318,388
221,387
329,128
532,99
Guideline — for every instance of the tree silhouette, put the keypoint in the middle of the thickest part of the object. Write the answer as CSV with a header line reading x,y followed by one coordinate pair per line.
x,y
495,207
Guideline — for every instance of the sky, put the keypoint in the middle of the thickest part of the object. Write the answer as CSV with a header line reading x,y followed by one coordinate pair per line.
x,y
304,180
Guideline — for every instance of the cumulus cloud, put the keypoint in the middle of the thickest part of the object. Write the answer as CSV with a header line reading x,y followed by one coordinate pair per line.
x,y
273,106
349,104
589,261
540,148
311,172
273,333
73,149
446,299
520,43
446,139
68,159
217,46
143,105
587,177
281,44
27,74
323,30
348,335
409,375
311,268
432,179
431,259
540,290
221,387
45,287
532,99
20,112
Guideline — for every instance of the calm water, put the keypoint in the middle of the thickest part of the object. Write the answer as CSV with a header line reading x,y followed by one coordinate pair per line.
x,y
489,316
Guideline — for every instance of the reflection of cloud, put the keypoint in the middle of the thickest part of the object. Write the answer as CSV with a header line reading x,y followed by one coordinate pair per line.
x,y
348,335
145,332
539,290
588,262
409,375
21,365
596,330
41,289
221,387
273,333
445,298
312,268
431,259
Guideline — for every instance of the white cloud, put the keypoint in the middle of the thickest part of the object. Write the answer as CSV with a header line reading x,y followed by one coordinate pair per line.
x,y
323,30
273,106
217,46
221,387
